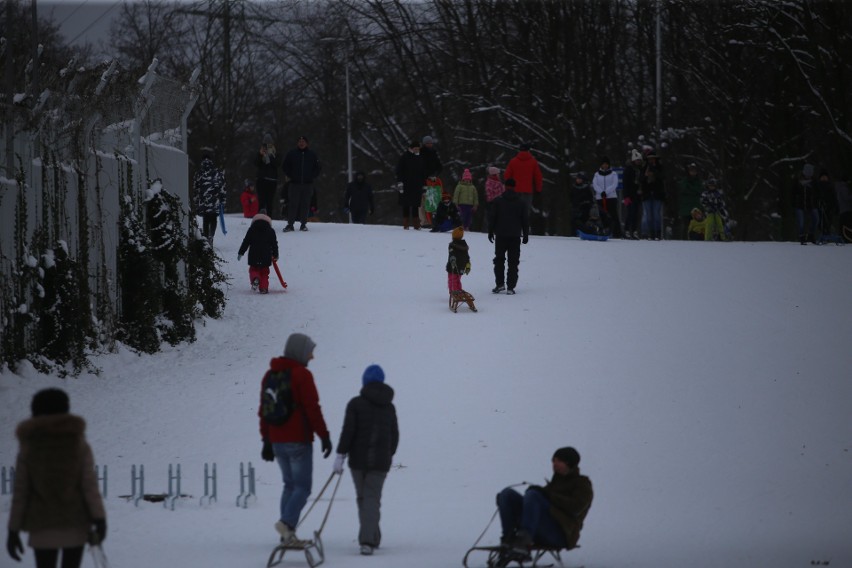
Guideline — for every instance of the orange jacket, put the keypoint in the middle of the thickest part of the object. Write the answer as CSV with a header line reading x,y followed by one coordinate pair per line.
x,y
523,168
307,416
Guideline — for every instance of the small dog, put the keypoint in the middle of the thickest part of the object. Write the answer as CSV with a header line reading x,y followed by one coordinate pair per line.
x,y
460,296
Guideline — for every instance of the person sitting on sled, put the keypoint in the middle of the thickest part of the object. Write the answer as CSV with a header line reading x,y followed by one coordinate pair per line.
x,y
447,216
596,224
550,516
262,246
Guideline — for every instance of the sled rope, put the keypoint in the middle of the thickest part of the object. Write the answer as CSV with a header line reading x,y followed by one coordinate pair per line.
x,y
316,500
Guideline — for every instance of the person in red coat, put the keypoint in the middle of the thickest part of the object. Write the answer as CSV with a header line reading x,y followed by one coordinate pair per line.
x,y
291,443
248,198
524,169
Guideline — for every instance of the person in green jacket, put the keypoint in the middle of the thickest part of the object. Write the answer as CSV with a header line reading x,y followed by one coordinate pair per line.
x,y
466,199
688,197
550,516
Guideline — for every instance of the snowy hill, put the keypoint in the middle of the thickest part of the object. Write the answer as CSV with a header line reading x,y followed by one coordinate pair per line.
x,y
706,386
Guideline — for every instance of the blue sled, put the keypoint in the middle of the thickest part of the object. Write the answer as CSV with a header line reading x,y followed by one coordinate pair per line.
x,y
588,237
222,218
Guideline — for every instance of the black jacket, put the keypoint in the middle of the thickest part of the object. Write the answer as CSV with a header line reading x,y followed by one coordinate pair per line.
x,y
411,171
261,242
431,161
509,216
370,432
359,195
458,251
267,166
301,166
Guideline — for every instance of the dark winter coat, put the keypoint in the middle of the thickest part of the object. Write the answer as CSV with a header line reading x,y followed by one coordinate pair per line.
x,y
260,241
56,494
826,197
267,165
307,416
804,195
653,184
447,210
209,188
301,165
582,199
630,182
411,172
570,497
370,432
431,162
359,195
509,216
459,256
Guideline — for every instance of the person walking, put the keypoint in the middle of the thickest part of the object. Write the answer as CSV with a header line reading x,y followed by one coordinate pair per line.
x,y
266,161
370,436
509,224
55,497
291,443
358,198
262,246
524,169
301,166
411,173
209,188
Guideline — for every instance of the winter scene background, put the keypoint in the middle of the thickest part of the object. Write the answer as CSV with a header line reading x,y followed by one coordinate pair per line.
x,y
706,386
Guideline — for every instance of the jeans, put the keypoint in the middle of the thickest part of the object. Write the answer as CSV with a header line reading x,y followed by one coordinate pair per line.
x,y
652,217
297,463
531,513
800,220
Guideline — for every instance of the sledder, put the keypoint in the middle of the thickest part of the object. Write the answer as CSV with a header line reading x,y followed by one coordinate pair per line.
x,y
544,520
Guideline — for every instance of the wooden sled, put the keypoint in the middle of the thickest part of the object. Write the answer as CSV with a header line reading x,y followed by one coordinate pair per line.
x,y
460,296
539,555
313,549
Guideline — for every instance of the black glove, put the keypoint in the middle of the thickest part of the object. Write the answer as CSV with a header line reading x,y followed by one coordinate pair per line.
x,y
326,447
14,546
98,532
266,453
526,239
490,237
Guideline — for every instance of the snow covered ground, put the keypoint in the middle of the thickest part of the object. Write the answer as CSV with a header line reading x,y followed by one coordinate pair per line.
x,y
706,385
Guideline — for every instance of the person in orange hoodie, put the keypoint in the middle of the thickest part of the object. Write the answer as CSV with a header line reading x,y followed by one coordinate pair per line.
x,y
524,169
291,443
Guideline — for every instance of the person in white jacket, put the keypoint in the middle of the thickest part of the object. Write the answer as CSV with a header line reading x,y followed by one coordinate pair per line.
x,y
605,184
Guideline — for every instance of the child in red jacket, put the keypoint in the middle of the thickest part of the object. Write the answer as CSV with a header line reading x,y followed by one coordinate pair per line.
x,y
249,200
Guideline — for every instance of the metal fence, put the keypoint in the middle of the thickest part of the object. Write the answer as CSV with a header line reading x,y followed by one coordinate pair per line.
x,y
69,155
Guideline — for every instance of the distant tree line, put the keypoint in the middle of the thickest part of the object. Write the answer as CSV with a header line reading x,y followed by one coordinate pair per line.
x,y
751,89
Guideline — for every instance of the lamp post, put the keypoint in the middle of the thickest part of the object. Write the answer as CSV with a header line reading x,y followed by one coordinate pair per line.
x,y
348,106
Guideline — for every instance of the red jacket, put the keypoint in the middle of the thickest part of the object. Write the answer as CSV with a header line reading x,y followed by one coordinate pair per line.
x,y
250,204
307,416
523,168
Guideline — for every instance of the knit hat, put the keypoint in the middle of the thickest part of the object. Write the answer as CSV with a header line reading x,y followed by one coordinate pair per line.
x,y
414,144
635,155
466,176
305,138
428,140
373,374
299,347
267,138
458,233
493,171
50,401
605,160
509,184
524,146
808,170
568,456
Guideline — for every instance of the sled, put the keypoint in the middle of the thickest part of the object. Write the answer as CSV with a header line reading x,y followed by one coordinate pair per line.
x,y
831,239
222,218
540,557
313,549
459,297
591,237
278,272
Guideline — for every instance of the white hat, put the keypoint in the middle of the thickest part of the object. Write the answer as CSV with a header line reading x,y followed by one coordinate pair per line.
x,y
635,155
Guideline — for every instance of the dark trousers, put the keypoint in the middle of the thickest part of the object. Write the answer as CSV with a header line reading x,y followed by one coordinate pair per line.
x,y
299,202
504,246
265,194
208,225
610,208
359,216
47,557
631,217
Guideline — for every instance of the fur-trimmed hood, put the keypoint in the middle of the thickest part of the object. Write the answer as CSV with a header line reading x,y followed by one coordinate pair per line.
x,y
50,426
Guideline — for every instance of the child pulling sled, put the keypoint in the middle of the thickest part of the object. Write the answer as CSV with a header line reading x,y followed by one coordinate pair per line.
x,y
458,263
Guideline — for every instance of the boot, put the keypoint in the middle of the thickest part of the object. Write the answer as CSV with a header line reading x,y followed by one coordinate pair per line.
x,y
405,223
416,223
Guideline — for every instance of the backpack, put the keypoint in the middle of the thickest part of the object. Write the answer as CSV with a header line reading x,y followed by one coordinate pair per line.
x,y
276,400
